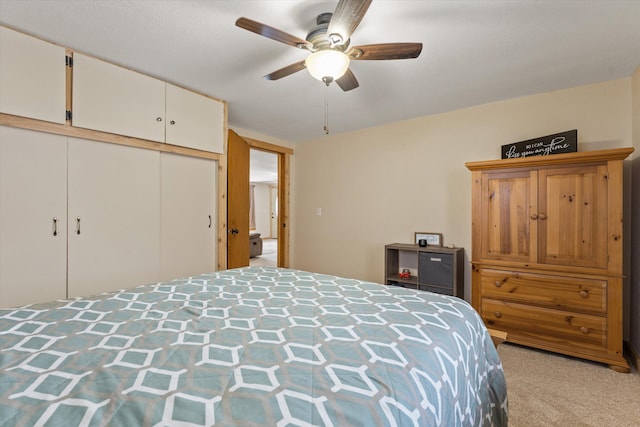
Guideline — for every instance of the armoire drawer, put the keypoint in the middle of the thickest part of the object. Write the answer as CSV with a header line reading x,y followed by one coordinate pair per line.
x,y
537,325
559,292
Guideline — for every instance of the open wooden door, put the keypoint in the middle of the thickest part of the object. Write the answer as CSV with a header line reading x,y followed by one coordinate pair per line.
x,y
237,201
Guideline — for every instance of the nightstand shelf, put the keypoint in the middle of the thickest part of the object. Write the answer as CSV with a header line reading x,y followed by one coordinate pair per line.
x,y
432,268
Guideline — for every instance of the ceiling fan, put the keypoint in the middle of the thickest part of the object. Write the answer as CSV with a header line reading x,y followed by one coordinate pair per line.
x,y
329,44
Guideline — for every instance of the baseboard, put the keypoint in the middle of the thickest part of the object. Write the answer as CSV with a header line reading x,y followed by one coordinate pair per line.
x,y
631,355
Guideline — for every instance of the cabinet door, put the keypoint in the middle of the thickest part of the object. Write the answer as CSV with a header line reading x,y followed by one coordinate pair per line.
x,y
194,120
33,217
114,221
188,222
509,209
117,100
573,216
32,77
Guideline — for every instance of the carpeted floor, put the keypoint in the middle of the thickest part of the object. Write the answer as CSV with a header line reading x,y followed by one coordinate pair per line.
x,y
269,257
547,389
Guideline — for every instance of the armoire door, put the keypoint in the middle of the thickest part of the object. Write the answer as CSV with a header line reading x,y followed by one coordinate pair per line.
x,y
573,216
509,215
114,225
33,217
188,216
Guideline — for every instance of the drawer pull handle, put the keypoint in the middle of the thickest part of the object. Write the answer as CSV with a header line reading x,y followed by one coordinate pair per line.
x,y
498,283
542,216
498,314
584,294
534,216
584,329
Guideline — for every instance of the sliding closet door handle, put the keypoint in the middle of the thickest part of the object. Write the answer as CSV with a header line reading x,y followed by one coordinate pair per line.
x,y
55,226
78,225
209,221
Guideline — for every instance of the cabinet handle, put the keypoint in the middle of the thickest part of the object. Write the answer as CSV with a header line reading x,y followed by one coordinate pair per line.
x,y
498,314
584,329
158,119
78,225
498,283
534,216
584,294
209,221
55,226
542,216
172,122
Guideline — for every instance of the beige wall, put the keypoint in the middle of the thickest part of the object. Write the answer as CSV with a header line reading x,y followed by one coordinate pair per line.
x,y
380,185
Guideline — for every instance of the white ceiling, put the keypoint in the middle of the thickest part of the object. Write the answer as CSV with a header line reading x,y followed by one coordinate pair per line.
x,y
475,52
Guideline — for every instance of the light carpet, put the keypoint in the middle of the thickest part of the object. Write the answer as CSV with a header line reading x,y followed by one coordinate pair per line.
x,y
547,389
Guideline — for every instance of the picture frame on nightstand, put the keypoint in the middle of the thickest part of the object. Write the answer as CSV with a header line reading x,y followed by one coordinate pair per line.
x,y
432,239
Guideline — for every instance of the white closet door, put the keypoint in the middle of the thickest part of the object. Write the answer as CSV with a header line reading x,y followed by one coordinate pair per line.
x,y
117,100
32,77
194,120
33,191
188,221
115,193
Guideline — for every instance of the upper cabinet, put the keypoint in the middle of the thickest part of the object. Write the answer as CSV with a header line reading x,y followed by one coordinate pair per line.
x,y
32,77
116,100
113,99
193,120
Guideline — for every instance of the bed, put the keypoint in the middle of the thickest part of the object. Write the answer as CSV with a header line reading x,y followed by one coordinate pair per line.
x,y
251,346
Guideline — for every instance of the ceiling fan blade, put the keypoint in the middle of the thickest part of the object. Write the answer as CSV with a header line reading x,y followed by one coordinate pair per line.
x,y
385,51
272,33
348,81
285,71
346,18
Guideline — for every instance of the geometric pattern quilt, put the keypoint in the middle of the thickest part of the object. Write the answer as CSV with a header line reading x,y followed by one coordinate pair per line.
x,y
249,347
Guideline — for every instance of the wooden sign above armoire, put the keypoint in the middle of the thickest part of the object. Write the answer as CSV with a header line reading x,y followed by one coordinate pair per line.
x,y
563,142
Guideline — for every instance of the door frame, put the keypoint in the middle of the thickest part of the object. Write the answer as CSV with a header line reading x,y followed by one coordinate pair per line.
x,y
284,179
273,189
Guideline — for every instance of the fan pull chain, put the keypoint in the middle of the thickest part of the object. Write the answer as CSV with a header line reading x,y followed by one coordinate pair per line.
x,y
326,110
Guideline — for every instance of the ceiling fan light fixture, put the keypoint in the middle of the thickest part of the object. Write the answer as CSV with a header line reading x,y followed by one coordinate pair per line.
x,y
327,65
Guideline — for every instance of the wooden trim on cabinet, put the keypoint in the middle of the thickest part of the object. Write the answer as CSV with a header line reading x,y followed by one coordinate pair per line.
x,y
554,159
94,135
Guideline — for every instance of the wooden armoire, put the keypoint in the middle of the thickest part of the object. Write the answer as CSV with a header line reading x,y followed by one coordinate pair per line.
x,y
548,251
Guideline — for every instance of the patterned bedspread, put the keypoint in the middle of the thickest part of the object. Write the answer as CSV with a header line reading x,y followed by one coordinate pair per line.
x,y
247,347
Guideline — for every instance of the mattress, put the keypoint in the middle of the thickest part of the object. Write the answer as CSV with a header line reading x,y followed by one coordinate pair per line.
x,y
251,346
